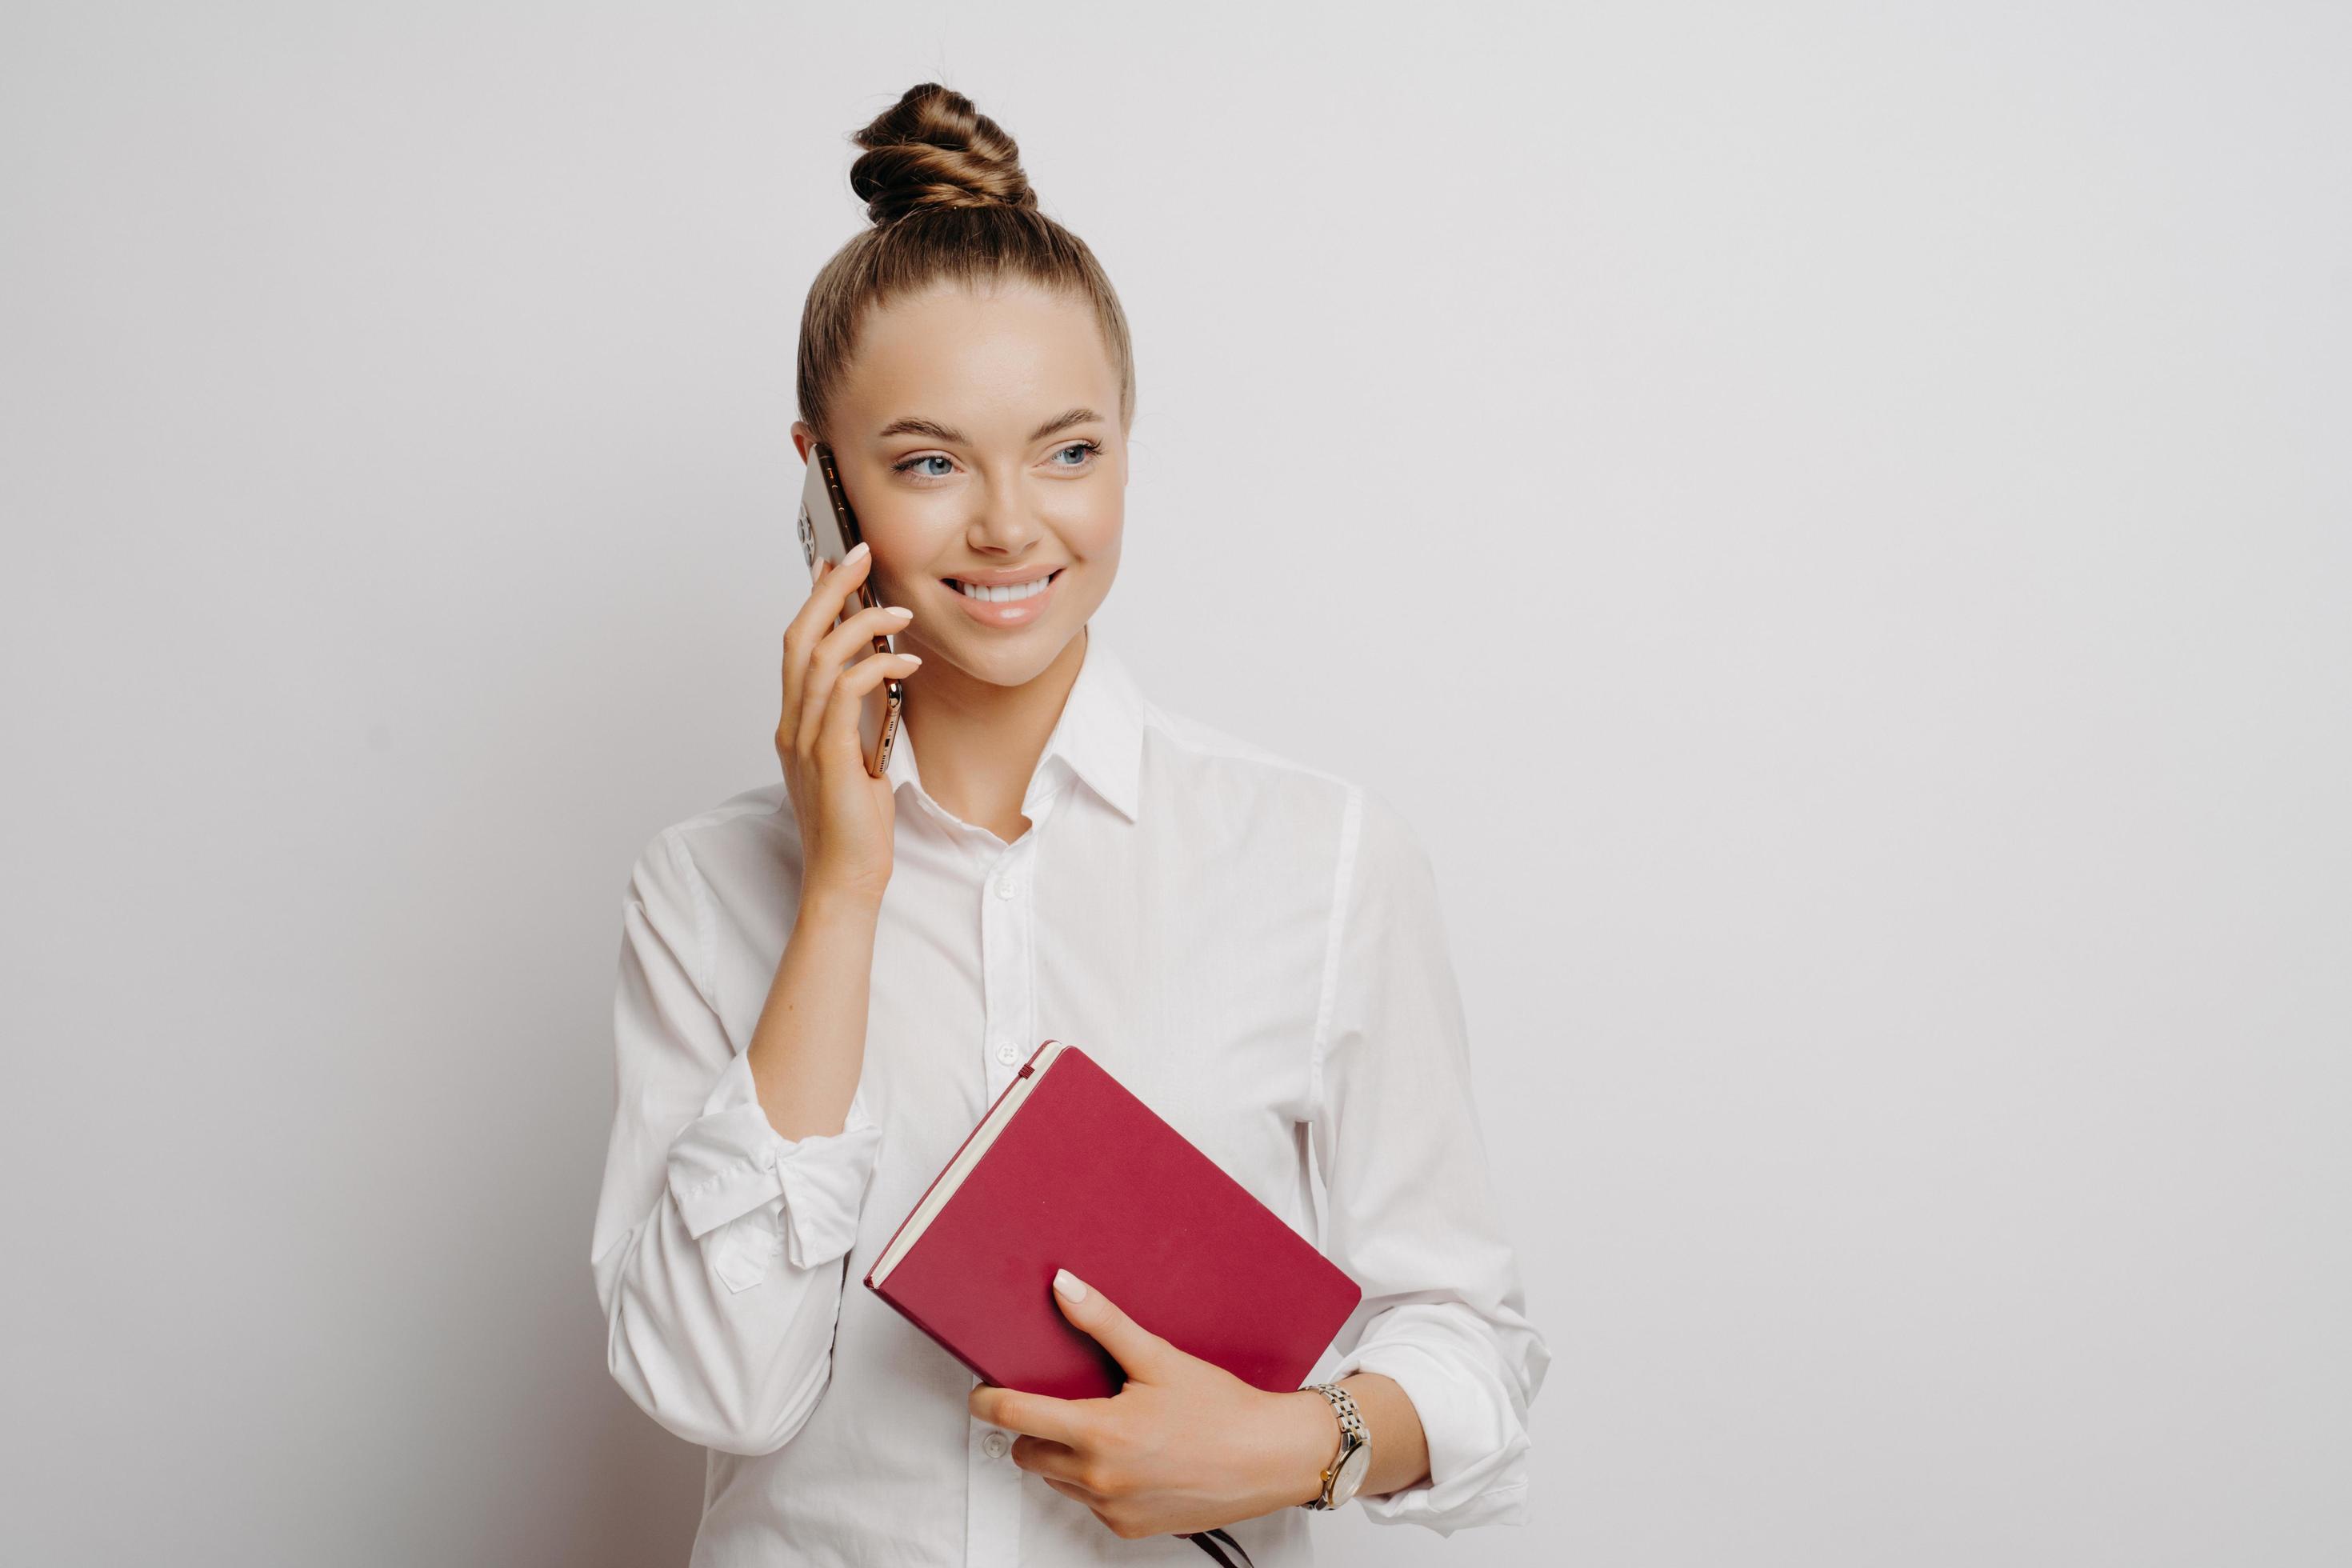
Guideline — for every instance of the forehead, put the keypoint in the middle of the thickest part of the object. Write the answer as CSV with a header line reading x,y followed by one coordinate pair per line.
x,y
985,361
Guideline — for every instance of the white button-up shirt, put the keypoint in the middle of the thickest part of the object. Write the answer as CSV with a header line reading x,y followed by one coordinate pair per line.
x,y
1252,947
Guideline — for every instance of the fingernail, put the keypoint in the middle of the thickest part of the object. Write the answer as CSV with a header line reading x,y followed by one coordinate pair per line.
x,y
900,610
912,657
1071,1286
855,553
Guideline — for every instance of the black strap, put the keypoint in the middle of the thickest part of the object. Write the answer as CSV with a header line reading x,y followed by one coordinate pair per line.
x,y
1217,1543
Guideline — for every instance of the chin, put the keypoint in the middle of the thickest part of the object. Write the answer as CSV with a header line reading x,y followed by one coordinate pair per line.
x,y
1002,657
1017,659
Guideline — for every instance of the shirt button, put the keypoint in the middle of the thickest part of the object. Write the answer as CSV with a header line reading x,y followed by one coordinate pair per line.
x,y
996,1442
1004,889
1008,1053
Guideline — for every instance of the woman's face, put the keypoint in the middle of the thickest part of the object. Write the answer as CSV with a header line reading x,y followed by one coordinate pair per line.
x,y
978,438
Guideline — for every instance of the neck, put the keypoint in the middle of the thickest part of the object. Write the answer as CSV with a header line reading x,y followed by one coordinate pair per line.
x,y
977,744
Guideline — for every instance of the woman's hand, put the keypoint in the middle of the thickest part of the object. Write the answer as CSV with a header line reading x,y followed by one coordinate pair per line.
x,y
1185,1447
844,813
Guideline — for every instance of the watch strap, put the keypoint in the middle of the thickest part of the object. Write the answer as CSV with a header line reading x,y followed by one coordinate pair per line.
x,y
1222,1548
1352,1437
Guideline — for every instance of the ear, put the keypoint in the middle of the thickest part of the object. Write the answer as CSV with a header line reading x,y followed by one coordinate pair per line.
x,y
803,436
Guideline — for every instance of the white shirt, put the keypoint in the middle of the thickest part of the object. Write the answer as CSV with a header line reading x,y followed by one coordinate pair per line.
x,y
1252,947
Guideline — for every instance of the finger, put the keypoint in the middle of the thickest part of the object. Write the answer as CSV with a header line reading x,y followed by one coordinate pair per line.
x,y
833,654
837,646
1054,1461
840,584
840,709
1069,1422
815,617
808,624
830,586
1136,1348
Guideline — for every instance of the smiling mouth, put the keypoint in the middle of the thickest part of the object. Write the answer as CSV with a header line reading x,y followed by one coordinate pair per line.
x,y
1009,593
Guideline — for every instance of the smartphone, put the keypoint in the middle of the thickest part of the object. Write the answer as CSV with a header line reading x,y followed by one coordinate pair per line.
x,y
828,531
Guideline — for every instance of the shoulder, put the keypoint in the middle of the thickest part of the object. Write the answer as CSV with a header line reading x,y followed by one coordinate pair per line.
x,y
1210,773
1195,760
748,840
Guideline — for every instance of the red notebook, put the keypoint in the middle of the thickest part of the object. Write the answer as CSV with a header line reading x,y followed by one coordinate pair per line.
x,y
1069,1170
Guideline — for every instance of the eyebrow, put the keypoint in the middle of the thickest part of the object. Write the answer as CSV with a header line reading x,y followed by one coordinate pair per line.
x,y
911,425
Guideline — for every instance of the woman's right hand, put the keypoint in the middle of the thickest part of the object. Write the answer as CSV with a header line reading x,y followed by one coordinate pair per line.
x,y
844,813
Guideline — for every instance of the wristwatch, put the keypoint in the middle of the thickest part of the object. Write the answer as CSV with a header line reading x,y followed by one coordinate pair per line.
x,y
1355,1458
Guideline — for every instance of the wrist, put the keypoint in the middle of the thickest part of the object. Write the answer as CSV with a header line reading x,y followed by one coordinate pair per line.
x,y
827,904
1312,1443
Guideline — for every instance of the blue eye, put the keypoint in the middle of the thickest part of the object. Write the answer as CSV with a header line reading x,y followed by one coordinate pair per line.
x,y
1086,451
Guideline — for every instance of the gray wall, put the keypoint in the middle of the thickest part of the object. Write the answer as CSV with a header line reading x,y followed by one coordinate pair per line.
x,y
1834,519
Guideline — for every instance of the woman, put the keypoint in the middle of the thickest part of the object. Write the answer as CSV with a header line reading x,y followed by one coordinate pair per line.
x,y
825,982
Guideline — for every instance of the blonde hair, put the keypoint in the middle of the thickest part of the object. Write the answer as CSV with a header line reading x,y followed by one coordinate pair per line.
x,y
943,185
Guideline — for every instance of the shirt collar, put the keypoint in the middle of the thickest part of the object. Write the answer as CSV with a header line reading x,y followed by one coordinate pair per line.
x,y
1099,735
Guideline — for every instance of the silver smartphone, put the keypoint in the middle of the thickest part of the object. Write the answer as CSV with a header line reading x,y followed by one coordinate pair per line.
x,y
828,531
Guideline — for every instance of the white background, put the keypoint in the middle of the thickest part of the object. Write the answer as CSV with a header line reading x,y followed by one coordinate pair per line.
x,y
1833,520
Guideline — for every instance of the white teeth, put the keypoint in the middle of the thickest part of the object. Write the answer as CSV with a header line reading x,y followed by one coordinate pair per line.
x,y
1004,596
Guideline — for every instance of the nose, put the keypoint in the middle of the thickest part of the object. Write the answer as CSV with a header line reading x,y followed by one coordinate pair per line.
x,y
1004,524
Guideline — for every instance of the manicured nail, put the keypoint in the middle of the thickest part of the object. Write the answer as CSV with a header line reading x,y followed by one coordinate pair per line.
x,y
900,610
1071,1286
912,657
855,553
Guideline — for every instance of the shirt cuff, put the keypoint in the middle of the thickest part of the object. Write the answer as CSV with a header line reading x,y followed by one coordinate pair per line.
x,y
730,1169
1478,1468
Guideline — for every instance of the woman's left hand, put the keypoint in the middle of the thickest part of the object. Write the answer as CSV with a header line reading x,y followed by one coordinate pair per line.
x,y
1186,1446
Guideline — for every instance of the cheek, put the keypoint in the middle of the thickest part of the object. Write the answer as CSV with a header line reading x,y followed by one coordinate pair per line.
x,y
903,553
1095,534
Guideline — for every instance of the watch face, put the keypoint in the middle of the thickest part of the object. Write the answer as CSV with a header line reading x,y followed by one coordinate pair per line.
x,y
1351,1474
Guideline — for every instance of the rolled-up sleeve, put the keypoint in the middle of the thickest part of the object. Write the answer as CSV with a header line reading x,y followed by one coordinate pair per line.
x,y
1411,1213
741,1186
717,1242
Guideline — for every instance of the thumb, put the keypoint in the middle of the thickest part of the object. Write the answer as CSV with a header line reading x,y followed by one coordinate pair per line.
x,y
1136,1348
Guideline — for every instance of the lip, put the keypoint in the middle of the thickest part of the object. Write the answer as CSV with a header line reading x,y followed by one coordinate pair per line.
x,y
1004,577
1019,612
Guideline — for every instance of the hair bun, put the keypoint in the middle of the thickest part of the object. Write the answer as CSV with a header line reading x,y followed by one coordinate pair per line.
x,y
933,150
